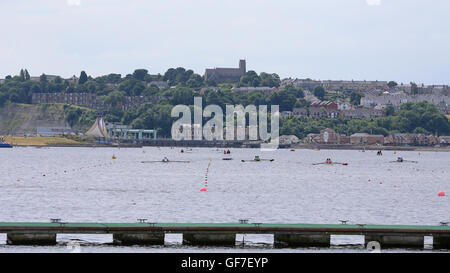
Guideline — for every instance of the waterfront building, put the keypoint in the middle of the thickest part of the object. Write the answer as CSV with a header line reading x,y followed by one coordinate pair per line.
x,y
326,136
364,138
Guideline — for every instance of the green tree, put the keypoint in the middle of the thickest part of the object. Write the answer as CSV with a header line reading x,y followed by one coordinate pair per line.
x,y
83,78
27,75
414,89
3,99
355,98
250,79
195,81
73,115
22,75
319,92
392,84
182,95
43,78
140,74
114,98
389,110
270,80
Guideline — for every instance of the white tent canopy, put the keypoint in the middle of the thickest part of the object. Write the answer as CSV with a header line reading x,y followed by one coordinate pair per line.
x,y
98,129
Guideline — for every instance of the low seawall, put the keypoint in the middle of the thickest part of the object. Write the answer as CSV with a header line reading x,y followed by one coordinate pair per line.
x,y
224,234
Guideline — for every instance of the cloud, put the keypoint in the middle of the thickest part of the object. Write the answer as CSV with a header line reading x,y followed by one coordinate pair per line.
x,y
373,2
72,3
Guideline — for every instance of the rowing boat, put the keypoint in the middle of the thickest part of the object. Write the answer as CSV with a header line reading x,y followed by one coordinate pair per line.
x,y
161,161
332,163
404,161
259,160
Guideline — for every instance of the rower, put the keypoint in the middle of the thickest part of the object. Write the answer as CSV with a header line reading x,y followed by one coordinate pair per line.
x,y
257,158
400,159
329,161
182,150
165,159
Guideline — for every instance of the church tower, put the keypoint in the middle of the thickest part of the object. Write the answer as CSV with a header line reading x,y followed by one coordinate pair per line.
x,y
242,66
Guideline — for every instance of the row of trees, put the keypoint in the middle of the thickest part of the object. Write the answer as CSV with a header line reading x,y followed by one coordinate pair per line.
x,y
20,88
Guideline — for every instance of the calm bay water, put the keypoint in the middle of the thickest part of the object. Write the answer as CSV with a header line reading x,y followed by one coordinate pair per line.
x,y
87,185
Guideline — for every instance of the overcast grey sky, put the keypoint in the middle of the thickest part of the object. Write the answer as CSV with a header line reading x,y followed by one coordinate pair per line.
x,y
402,40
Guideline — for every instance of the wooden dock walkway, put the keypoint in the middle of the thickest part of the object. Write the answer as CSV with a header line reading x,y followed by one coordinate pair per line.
x,y
285,235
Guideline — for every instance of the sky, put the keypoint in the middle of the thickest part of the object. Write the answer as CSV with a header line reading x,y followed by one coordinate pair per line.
x,y
400,40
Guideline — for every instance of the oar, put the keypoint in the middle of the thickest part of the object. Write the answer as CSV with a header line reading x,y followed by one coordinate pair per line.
x,y
258,160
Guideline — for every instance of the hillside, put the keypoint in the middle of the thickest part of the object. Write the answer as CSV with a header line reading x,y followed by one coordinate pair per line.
x,y
18,119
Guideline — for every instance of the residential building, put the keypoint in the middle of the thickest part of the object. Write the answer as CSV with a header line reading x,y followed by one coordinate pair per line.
x,y
264,89
444,140
159,84
412,139
286,114
362,113
80,99
91,100
398,99
330,105
305,84
344,105
300,112
326,136
364,138
288,139
50,78
355,86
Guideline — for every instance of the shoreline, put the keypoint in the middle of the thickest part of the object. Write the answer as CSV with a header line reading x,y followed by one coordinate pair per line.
x,y
370,147
66,142
296,147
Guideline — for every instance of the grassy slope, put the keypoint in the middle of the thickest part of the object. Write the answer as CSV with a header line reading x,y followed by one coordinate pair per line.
x,y
38,141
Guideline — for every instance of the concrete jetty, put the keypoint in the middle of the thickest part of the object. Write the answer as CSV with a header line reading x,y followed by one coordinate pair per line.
x,y
224,234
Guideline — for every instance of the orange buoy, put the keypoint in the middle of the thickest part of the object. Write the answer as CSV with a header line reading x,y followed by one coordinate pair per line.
x,y
441,193
203,189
